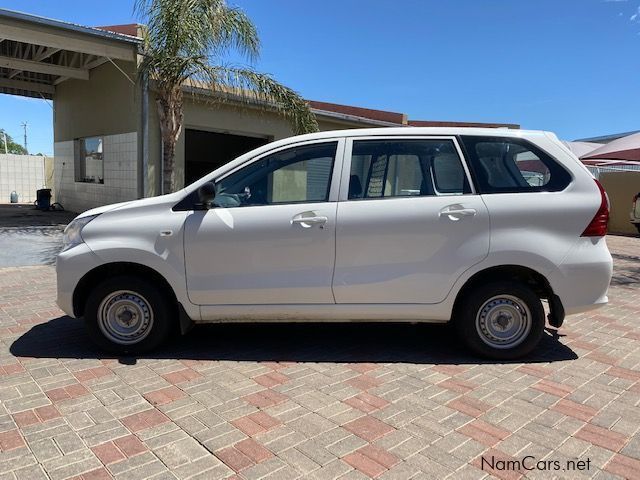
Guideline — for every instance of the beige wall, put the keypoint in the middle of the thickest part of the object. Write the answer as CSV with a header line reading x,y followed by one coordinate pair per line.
x,y
621,187
106,104
202,115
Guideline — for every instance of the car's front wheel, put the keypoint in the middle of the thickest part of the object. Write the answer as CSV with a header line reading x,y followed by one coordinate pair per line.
x,y
126,314
500,320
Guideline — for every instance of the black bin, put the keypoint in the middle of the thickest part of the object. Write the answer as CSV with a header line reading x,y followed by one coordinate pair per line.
x,y
43,199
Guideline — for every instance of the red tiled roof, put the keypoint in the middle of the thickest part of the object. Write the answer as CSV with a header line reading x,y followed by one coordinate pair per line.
x,y
381,115
433,123
399,118
130,29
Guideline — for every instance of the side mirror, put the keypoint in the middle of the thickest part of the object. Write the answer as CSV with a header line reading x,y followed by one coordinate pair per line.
x,y
206,194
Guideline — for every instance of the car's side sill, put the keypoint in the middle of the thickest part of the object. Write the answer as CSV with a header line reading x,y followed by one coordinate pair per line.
x,y
324,312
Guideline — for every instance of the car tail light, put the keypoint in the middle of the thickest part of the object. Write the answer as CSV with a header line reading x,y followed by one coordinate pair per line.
x,y
598,226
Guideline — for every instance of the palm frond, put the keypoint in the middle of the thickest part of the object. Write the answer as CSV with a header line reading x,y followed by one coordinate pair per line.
x,y
232,29
248,85
182,41
202,27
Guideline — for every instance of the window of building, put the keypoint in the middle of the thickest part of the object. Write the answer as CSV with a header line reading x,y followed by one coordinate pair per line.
x,y
405,168
296,175
504,165
89,162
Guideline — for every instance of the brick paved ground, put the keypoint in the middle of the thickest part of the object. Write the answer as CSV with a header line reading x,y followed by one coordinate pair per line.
x,y
315,401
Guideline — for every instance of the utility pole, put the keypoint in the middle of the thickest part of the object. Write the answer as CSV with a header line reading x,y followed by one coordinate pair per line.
x,y
24,125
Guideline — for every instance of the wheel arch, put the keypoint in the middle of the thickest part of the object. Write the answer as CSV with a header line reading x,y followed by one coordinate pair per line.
x,y
530,277
107,270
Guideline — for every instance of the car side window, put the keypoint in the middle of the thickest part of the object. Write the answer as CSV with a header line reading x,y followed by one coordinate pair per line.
x,y
405,168
507,165
296,175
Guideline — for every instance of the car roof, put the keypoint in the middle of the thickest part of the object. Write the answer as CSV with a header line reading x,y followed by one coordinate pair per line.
x,y
408,131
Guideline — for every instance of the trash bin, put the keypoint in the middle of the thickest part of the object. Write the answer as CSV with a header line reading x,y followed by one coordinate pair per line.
x,y
43,199
14,197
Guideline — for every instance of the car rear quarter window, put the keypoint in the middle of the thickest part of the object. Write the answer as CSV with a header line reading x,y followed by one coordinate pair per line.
x,y
508,165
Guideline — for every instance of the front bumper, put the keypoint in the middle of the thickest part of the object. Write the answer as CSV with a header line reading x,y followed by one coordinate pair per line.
x,y
71,266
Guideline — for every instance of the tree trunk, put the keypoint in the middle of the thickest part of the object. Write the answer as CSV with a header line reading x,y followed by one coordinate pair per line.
x,y
170,114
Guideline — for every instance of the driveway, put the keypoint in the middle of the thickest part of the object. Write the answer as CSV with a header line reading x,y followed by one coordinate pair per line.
x,y
318,401
29,236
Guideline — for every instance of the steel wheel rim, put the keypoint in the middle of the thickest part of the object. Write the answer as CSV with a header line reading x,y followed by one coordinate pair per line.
x,y
503,321
125,317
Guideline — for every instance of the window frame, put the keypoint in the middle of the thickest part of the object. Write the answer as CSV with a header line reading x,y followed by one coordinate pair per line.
x,y
523,142
78,148
190,201
346,166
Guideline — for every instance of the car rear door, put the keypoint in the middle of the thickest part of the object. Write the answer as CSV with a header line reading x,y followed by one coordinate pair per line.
x,y
408,223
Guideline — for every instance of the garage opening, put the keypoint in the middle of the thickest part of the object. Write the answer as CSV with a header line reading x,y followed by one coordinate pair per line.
x,y
206,151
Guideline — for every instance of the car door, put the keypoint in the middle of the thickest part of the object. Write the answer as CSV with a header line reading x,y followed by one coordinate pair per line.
x,y
270,238
409,222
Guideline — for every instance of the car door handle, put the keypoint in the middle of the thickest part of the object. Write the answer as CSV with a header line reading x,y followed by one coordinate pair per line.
x,y
310,220
458,212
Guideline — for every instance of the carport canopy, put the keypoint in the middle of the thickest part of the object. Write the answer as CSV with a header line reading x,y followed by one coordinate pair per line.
x,y
37,53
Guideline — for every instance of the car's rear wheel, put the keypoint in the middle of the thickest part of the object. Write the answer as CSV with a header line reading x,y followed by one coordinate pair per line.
x,y
500,320
126,314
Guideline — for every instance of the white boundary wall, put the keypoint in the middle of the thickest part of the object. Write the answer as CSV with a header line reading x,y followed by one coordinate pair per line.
x,y
23,174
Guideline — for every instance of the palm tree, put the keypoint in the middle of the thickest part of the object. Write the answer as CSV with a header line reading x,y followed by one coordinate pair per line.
x,y
183,43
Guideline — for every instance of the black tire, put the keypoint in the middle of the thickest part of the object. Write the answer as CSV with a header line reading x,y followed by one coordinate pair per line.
x,y
141,293
469,322
637,226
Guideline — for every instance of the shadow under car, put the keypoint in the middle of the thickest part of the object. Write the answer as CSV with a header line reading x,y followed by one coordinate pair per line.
x,y
65,337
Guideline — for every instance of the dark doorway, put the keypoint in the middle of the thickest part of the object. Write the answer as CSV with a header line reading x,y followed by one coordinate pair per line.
x,y
206,151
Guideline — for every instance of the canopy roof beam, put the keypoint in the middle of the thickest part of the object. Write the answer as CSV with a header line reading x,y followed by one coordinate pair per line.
x,y
43,53
46,68
39,36
31,86
38,53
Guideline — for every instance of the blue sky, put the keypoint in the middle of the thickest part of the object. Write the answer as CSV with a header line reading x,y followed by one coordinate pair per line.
x,y
569,66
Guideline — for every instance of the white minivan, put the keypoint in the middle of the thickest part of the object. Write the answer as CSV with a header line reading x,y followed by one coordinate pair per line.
x,y
472,226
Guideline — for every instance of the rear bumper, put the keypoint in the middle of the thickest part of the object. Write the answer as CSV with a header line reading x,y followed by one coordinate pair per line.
x,y
601,302
582,279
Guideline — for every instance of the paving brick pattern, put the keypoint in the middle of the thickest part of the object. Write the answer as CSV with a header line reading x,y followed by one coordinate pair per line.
x,y
316,401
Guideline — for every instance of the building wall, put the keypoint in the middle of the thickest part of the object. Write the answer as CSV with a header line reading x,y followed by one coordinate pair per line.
x,y
621,187
120,174
23,174
201,114
106,104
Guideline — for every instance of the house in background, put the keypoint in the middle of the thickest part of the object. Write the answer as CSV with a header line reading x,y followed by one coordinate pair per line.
x,y
107,144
